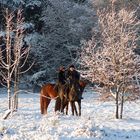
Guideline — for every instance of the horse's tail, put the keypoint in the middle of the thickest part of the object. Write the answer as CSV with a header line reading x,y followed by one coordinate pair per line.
x,y
41,102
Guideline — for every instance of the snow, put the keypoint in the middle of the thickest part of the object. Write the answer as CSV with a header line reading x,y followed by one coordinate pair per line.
x,y
37,75
97,121
29,2
33,3
28,26
2,34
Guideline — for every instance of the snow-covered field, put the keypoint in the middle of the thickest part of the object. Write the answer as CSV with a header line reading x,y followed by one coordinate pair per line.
x,y
96,123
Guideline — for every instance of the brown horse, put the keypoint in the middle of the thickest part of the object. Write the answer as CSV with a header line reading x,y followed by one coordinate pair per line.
x,y
48,93
72,98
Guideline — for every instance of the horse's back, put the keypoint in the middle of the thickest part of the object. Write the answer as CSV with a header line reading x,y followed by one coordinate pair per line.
x,y
48,90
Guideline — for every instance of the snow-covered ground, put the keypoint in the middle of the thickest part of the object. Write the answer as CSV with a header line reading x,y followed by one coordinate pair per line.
x,y
96,123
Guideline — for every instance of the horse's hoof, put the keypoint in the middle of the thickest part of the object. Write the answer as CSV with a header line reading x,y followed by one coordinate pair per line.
x,y
57,113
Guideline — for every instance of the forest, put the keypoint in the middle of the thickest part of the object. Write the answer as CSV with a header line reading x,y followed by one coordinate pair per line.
x,y
99,38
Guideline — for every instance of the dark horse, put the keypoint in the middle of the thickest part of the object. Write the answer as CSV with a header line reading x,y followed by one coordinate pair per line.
x,y
48,93
72,97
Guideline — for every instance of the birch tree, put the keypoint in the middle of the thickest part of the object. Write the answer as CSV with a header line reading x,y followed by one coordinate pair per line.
x,y
109,57
15,57
20,55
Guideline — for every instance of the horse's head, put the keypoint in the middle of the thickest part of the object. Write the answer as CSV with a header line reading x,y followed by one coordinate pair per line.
x,y
83,84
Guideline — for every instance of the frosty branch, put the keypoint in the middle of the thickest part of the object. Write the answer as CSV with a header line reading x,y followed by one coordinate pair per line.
x,y
112,61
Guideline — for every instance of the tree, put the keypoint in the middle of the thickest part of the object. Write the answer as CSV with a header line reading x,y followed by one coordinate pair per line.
x,y
15,56
66,23
109,58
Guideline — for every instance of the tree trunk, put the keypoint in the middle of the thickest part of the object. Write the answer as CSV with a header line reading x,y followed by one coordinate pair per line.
x,y
16,89
122,102
8,57
117,105
9,94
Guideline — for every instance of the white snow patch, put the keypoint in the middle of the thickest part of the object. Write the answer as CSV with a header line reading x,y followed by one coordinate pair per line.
x,y
97,121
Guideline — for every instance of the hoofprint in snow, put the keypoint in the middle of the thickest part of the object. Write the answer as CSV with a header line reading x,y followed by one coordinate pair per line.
x,y
96,123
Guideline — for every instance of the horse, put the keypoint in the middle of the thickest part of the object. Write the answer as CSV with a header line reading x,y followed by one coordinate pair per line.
x,y
48,92
72,97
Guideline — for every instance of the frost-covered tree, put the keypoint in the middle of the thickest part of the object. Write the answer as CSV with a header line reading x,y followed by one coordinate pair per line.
x,y
13,56
57,28
66,23
109,58
119,3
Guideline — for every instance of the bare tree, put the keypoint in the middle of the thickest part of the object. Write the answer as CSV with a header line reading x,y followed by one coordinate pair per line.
x,y
19,53
15,57
109,57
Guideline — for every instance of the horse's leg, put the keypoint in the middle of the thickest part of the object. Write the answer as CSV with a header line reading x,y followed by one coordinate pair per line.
x,y
75,109
67,107
41,105
62,105
79,104
72,107
58,104
46,104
